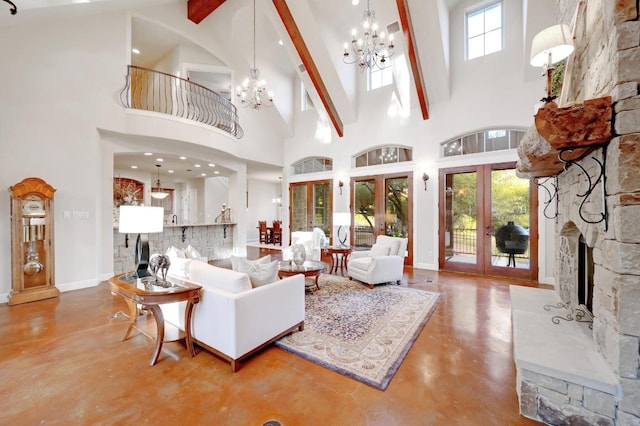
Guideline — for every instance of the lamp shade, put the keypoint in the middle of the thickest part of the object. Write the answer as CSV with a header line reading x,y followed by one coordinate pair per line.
x,y
342,219
140,219
554,43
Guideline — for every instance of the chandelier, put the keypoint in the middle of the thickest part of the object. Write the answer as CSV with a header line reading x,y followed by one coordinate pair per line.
x,y
370,51
253,93
156,191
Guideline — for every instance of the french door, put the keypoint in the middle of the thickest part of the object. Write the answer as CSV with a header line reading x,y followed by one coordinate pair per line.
x,y
488,221
382,205
311,206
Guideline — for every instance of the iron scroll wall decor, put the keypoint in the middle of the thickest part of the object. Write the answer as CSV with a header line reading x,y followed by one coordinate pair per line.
x,y
12,7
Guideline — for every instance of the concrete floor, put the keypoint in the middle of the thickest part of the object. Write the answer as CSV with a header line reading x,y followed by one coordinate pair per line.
x,y
62,362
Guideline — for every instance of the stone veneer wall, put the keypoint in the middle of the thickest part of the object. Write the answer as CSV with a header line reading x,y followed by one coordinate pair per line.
x,y
209,240
607,62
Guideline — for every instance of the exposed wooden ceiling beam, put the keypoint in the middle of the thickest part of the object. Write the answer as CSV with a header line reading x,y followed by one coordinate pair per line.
x,y
197,10
414,59
309,64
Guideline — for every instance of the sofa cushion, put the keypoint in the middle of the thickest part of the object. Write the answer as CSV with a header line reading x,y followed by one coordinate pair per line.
x,y
361,263
379,250
220,278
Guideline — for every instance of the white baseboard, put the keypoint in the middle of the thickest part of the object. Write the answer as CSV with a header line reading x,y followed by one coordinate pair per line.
x,y
428,266
64,287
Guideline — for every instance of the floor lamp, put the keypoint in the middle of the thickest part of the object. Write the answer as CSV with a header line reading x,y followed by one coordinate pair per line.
x,y
142,220
342,219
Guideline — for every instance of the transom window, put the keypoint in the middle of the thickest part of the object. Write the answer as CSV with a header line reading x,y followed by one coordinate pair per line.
x,y
484,31
384,155
379,77
485,141
312,165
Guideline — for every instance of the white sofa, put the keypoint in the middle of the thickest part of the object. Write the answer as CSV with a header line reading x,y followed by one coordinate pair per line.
x,y
382,264
233,320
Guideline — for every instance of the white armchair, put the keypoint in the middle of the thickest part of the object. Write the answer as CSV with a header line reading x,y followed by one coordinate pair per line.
x,y
382,264
311,242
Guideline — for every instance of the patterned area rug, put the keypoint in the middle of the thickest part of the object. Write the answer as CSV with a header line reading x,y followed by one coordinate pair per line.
x,y
361,333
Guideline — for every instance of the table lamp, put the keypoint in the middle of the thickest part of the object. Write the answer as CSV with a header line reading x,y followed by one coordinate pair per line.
x,y
549,47
341,219
142,220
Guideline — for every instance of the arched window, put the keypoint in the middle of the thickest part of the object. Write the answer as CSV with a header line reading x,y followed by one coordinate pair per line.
x,y
312,165
485,141
384,155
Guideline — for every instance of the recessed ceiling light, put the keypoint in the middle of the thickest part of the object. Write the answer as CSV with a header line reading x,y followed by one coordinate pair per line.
x,y
134,167
148,153
170,171
211,165
197,165
217,172
280,42
160,159
355,2
135,51
183,157
203,174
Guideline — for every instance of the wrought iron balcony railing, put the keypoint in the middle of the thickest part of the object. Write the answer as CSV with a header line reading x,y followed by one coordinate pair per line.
x,y
150,90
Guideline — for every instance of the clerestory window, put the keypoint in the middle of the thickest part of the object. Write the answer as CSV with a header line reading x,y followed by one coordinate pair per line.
x,y
484,31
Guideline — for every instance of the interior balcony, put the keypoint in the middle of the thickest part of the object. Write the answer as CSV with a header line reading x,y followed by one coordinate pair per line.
x,y
159,92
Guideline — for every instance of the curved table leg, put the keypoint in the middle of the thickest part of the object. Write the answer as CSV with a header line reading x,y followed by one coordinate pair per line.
x,y
133,316
187,327
157,314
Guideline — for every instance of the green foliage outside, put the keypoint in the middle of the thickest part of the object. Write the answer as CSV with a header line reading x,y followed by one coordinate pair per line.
x,y
510,200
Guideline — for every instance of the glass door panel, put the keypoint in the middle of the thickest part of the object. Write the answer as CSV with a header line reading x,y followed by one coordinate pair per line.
x,y
298,207
396,216
382,206
364,221
321,208
509,220
461,207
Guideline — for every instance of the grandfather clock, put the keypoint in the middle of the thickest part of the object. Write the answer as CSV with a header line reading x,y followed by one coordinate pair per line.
x,y
32,260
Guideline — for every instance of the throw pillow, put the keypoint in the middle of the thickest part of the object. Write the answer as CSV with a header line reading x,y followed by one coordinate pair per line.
x,y
379,250
264,274
175,252
191,252
242,264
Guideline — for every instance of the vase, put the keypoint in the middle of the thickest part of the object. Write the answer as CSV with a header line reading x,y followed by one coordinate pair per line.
x,y
298,254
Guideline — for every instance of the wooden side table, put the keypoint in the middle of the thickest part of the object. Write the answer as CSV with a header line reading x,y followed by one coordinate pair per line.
x,y
339,256
151,297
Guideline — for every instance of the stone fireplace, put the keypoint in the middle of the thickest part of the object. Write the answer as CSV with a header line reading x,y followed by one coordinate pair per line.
x,y
570,372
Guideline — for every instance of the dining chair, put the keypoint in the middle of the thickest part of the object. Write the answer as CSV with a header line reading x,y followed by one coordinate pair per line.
x,y
262,229
276,234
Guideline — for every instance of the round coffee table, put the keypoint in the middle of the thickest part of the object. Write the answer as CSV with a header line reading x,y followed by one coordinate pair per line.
x,y
310,268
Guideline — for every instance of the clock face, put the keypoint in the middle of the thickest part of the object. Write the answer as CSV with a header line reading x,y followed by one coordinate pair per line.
x,y
33,206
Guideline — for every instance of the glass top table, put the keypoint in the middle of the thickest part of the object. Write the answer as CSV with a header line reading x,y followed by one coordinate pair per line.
x,y
310,268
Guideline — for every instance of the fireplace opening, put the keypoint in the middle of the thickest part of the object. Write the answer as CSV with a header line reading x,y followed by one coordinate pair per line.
x,y
585,275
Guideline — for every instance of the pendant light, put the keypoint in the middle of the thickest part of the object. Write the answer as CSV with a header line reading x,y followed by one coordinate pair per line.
x,y
156,191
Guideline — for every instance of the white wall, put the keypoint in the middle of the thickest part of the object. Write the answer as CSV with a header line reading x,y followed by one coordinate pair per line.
x,y
261,206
